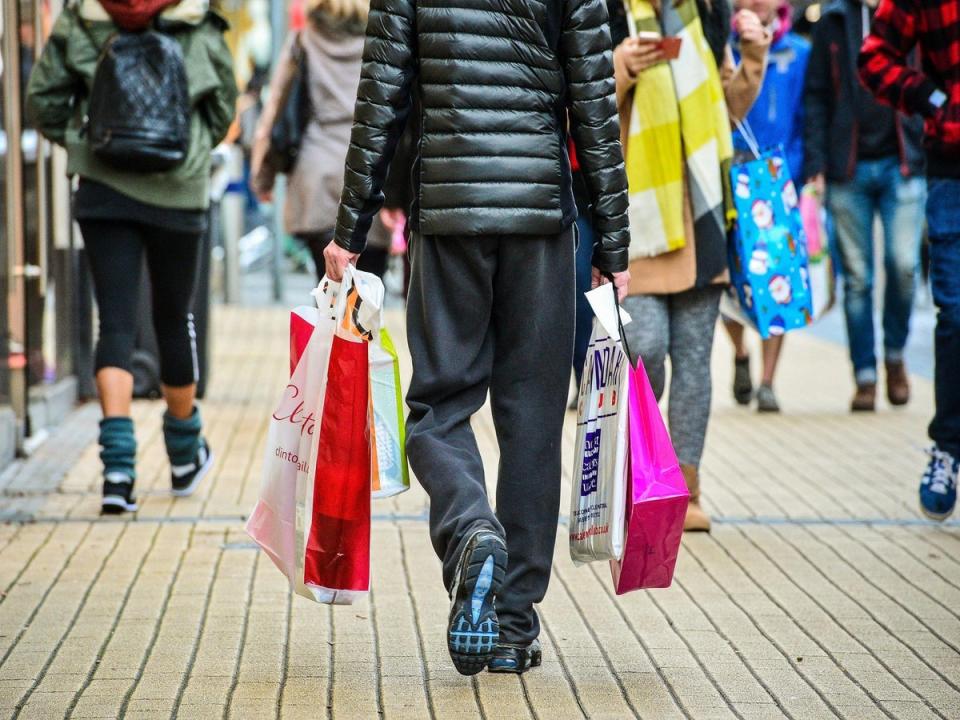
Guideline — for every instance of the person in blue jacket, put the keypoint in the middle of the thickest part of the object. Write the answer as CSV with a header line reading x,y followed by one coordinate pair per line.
x,y
776,119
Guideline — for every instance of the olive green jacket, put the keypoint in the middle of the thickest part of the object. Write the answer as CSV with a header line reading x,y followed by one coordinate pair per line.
x,y
60,86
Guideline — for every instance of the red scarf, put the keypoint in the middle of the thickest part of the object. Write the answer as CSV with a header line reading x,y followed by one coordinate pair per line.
x,y
134,15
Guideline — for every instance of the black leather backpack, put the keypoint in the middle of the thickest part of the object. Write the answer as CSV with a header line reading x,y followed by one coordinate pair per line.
x,y
139,112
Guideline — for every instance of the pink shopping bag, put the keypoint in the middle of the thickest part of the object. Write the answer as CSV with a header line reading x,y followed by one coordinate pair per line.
x,y
657,495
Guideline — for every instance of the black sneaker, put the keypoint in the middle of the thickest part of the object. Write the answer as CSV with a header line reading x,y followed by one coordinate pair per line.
x,y
117,494
516,659
185,478
473,629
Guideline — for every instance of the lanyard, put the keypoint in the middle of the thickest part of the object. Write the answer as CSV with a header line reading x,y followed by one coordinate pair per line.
x,y
865,15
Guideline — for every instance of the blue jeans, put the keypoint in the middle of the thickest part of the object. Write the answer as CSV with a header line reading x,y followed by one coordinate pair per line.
x,y
877,187
584,263
943,228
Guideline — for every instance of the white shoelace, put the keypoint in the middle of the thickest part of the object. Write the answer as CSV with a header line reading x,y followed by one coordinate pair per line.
x,y
940,475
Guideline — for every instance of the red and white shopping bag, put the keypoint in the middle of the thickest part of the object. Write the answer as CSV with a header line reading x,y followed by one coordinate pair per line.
x,y
313,515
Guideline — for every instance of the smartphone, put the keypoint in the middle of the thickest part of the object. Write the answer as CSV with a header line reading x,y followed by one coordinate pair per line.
x,y
670,46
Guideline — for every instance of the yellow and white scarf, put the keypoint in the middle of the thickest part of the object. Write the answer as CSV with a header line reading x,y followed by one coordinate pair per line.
x,y
679,129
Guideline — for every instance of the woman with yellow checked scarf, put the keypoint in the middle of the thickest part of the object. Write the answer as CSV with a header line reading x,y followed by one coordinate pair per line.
x,y
675,106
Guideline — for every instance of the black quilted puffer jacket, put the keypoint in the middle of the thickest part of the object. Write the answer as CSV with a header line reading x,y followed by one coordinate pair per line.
x,y
496,82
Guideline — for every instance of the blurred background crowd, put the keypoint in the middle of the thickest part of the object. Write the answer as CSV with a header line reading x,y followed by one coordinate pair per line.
x,y
270,218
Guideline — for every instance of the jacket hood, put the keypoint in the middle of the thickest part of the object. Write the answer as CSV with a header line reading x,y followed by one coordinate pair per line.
x,y
138,14
134,15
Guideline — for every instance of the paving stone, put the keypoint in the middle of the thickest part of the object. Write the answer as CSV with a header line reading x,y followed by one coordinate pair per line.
x,y
779,611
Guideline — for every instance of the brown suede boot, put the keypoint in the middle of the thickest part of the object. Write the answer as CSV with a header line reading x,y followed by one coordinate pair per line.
x,y
696,520
865,399
898,384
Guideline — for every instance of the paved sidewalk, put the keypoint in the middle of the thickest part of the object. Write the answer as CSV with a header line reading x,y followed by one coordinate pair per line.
x,y
821,593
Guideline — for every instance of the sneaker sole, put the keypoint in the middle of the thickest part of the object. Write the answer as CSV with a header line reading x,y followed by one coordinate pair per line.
x,y
474,630
201,474
939,517
116,504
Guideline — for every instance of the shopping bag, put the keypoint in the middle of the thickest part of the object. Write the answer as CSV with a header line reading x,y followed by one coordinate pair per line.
x,y
767,249
823,280
389,473
656,495
598,493
313,515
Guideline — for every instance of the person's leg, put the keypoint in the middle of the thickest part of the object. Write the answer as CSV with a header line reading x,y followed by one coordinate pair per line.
x,y
648,335
693,319
528,392
852,207
374,261
316,243
901,210
742,382
943,219
584,315
766,398
114,251
173,260
451,345
451,348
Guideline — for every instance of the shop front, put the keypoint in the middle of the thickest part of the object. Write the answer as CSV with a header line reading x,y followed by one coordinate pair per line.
x,y
42,325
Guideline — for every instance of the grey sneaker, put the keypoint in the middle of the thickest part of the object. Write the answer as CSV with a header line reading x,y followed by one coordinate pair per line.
x,y
766,400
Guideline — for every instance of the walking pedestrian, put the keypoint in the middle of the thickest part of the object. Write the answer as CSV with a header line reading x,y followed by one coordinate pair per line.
x,y
868,160
491,301
187,92
934,94
776,119
332,46
674,156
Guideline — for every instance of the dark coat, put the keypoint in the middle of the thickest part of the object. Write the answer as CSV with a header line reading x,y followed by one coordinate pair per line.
x,y
832,90
496,80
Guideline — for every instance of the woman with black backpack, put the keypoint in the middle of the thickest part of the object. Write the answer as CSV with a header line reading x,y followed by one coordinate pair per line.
x,y
139,92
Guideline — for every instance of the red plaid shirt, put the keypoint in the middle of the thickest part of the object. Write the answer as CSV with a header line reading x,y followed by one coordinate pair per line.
x,y
934,25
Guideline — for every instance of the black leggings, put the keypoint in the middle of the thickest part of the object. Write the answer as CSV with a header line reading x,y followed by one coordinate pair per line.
x,y
115,249
372,260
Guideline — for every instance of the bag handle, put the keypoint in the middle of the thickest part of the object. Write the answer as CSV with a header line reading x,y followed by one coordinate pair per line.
x,y
623,332
747,132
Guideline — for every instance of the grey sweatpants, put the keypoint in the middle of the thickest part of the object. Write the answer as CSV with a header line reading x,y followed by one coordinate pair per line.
x,y
681,326
492,313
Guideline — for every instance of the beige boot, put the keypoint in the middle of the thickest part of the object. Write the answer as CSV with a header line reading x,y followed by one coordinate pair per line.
x,y
696,520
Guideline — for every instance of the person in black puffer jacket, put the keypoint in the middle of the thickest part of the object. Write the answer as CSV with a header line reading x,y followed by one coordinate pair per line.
x,y
491,302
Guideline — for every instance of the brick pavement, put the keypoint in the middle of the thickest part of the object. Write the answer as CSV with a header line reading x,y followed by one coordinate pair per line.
x,y
820,593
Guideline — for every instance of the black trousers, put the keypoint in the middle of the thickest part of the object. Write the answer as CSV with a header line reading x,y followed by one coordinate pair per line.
x,y
497,314
115,251
372,260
